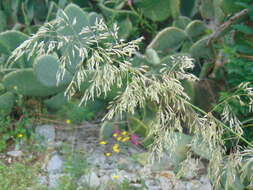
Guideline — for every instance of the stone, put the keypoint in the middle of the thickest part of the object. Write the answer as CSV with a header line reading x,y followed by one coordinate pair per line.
x,y
165,183
55,164
97,159
90,180
179,185
163,164
206,185
15,153
152,184
42,180
45,133
105,179
192,168
54,180
193,185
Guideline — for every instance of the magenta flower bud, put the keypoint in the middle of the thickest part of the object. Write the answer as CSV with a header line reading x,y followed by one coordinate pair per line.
x,y
134,139
129,2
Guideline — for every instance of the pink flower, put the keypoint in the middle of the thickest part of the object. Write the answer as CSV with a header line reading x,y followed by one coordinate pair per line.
x,y
134,139
129,2
116,131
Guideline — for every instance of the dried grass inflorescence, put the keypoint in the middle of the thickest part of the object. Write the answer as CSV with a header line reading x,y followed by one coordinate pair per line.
x,y
107,59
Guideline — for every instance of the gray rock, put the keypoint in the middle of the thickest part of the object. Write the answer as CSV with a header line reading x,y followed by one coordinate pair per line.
x,y
54,180
97,159
152,185
206,185
45,133
179,185
193,185
42,180
192,169
105,179
165,184
163,164
15,153
55,164
90,180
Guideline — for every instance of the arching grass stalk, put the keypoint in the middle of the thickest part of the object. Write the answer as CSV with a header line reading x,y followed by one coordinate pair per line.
x,y
222,124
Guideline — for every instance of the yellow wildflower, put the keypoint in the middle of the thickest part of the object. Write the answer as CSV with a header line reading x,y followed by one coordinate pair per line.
x,y
119,138
115,134
68,121
102,142
115,177
124,133
108,154
115,148
126,139
20,135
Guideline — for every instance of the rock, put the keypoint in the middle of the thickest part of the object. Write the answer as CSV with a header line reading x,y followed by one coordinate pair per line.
x,y
206,185
193,185
97,159
163,164
45,133
192,168
105,179
54,180
179,185
152,185
55,164
170,175
42,180
15,153
90,180
165,183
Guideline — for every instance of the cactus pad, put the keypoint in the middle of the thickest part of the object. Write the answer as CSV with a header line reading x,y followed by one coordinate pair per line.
x,y
45,69
168,40
24,82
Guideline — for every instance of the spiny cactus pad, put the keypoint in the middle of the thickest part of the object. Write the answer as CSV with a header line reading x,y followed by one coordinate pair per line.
x,y
181,22
180,146
55,102
200,49
24,82
74,14
168,40
45,69
196,29
10,40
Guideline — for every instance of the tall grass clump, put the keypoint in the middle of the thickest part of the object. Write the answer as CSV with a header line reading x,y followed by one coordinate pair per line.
x,y
102,60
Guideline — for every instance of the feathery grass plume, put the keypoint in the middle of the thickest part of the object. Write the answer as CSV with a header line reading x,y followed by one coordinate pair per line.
x,y
98,52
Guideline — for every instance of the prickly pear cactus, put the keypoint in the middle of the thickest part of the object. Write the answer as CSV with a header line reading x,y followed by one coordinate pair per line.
x,y
201,49
168,40
77,19
45,69
9,40
56,102
181,22
24,82
180,146
196,29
